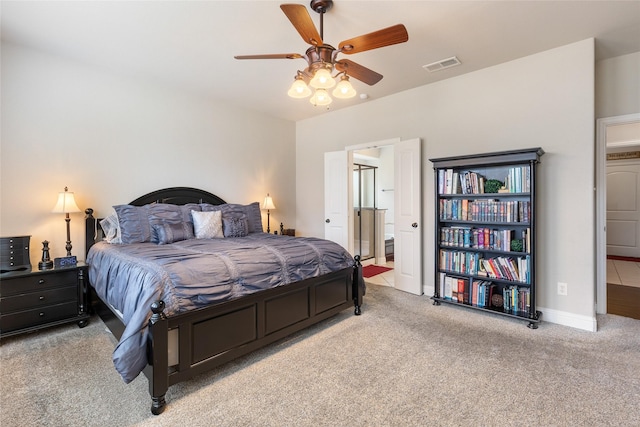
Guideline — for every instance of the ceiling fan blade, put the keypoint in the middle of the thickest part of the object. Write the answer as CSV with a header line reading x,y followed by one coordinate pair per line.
x,y
271,56
301,20
358,71
385,37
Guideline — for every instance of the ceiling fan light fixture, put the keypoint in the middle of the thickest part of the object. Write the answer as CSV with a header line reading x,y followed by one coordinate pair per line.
x,y
299,88
322,79
321,98
321,56
344,90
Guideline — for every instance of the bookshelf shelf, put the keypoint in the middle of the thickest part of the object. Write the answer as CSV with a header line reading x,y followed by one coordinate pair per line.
x,y
485,233
485,195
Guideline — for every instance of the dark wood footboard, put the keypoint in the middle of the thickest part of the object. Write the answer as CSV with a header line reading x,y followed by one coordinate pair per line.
x,y
211,336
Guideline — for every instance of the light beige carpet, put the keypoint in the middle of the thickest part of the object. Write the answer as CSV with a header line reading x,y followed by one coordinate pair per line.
x,y
403,362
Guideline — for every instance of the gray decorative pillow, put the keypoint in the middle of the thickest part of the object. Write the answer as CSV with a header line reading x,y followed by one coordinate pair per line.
x,y
207,225
235,225
159,213
134,223
254,216
173,232
206,207
185,211
250,211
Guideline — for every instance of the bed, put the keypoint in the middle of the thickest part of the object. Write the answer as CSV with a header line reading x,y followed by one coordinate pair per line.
x,y
182,301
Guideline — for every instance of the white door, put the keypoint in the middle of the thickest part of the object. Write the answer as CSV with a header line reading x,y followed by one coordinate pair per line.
x,y
623,209
338,182
408,217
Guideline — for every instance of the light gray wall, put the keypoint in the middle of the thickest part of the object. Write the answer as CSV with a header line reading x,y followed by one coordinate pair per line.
x,y
544,100
618,86
111,139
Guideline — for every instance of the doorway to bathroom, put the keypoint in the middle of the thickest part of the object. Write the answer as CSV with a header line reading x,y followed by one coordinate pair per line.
x,y
364,206
373,228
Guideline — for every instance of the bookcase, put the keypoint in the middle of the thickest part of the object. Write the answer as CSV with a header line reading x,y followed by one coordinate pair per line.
x,y
485,234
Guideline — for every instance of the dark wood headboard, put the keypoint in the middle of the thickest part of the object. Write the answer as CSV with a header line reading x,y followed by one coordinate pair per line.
x,y
173,196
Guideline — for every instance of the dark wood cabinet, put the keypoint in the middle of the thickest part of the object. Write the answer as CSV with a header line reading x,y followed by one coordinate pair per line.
x,y
34,299
14,253
485,234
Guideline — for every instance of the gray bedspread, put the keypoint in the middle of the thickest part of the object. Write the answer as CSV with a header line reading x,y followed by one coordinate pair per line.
x,y
194,273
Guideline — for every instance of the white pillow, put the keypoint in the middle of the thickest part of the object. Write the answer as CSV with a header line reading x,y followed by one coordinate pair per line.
x,y
111,228
207,225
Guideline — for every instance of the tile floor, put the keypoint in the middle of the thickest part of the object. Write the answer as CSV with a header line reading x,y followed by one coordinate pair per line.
x,y
625,273
384,279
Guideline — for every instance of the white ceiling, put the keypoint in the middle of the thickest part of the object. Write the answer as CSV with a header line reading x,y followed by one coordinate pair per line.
x,y
190,44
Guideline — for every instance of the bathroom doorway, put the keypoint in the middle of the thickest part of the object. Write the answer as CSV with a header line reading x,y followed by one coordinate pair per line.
x,y
373,203
365,207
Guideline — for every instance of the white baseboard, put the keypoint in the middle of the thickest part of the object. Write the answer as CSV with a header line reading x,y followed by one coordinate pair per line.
x,y
564,318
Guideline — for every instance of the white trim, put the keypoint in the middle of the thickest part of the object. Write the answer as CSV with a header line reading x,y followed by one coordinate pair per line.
x,y
368,145
620,144
565,318
601,204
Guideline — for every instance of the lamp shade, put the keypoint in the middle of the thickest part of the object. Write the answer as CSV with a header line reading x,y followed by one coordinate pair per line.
x,y
268,203
344,89
66,203
321,97
322,79
299,89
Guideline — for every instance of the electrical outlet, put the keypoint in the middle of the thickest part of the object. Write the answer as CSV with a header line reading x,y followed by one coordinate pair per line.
x,y
562,288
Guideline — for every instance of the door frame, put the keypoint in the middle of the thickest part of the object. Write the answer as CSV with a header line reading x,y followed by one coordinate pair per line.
x,y
601,203
390,142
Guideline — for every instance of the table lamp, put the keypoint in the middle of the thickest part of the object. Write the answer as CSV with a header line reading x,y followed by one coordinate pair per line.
x,y
66,204
268,204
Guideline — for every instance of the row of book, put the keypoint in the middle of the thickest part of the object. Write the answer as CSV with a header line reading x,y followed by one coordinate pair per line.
x,y
485,210
486,238
450,181
515,299
454,182
515,269
518,180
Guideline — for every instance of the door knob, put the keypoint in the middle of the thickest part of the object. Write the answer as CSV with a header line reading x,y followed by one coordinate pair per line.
x,y
327,220
414,225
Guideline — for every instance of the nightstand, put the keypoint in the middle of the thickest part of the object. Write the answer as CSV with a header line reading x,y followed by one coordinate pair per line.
x,y
35,299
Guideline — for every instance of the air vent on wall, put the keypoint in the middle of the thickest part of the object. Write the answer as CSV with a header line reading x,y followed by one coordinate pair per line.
x,y
442,64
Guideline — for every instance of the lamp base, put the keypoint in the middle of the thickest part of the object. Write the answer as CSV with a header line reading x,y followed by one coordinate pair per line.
x,y
45,265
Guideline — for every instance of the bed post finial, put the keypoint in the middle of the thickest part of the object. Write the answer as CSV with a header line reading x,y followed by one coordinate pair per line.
x,y
157,308
359,287
90,230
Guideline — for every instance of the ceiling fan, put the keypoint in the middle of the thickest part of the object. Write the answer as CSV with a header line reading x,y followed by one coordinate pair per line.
x,y
321,57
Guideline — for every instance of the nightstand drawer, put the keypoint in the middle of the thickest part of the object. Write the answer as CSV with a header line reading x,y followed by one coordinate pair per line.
x,y
39,316
21,285
38,299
